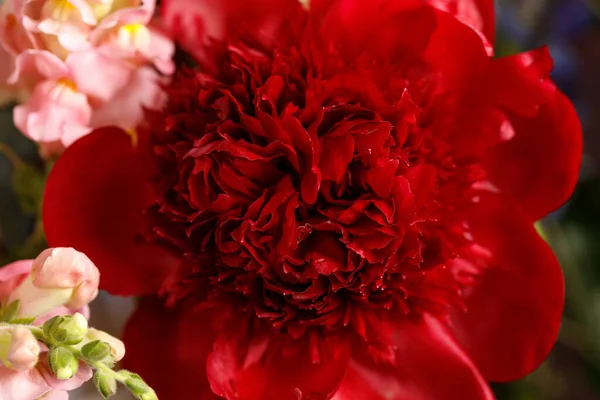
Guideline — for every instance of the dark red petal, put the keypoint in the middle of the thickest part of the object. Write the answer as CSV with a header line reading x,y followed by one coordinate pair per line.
x,y
251,364
93,202
261,22
382,28
431,366
168,348
539,167
456,53
478,14
514,310
518,83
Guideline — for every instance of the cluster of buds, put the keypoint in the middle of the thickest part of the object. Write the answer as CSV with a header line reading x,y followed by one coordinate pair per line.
x,y
46,345
80,64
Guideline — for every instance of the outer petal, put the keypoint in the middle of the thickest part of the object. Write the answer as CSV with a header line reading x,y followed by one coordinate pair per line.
x,y
12,275
55,111
514,310
168,348
127,108
56,395
539,167
93,201
33,66
21,385
98,74
253,364
262,22
431,366
478,14
84,374
383,28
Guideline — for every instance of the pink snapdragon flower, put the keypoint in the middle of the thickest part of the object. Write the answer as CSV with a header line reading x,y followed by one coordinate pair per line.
x,y
83,64
58,281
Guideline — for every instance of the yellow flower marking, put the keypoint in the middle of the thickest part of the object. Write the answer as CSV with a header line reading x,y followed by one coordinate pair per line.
x,y
132,133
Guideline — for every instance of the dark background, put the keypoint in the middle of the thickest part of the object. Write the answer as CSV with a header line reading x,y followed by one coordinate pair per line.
x,y
572,30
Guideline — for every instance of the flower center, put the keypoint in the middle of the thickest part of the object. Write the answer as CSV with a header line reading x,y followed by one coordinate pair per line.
x,y
305,195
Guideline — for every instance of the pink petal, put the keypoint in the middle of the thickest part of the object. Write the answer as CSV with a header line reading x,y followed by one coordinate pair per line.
x,y
13,36
83,375
99,74
34,66
56,395
12,275
126,110
53,108
66,268
21,385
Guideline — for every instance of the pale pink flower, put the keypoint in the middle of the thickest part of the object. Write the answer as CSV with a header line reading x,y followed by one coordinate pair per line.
x,y
39,381
67,268
13,35
59,277
131,35
19,349
83,64
24,373
56,109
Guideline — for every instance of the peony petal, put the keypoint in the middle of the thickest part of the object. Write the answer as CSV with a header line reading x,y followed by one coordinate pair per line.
x,y
168,348
539,167
94,200
431,366
262,22
382,28
252,364
514,311
478,14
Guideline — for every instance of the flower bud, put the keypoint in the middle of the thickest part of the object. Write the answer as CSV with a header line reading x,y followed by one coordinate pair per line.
x,y
138,387
96,350
63,363
59,276
105,383
19,349
117,346
66,329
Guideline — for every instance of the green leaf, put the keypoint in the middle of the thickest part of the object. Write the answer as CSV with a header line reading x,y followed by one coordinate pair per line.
x,y
22,321
28,184
10,311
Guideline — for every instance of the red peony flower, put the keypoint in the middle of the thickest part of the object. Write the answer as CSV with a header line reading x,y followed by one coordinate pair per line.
x,y
338,203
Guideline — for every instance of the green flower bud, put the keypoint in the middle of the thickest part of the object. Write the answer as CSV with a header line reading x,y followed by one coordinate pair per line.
x,y
150,395
63,362
138,387
52,324
66,329
96,350
105,383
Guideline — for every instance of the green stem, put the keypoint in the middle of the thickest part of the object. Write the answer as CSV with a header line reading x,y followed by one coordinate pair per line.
x,y
101,367
11,155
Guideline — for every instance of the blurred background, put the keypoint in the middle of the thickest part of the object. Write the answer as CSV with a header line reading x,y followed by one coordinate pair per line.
x,y
572,30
